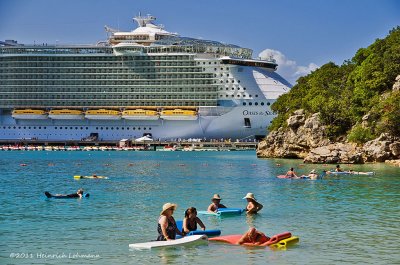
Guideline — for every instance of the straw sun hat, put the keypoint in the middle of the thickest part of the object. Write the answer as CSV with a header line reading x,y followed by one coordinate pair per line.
x,y
249,196
167,206
313,171
216,197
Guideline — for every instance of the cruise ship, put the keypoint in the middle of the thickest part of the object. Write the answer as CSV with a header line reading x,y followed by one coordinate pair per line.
x,y
143,82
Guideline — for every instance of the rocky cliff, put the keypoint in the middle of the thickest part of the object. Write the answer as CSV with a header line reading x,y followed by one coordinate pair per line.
x,y
305,137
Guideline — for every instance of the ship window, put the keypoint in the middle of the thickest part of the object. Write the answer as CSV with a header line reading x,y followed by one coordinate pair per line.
x,y
250,103
112,128
256,96
138,128
220,96
40,128
96,128
76,128
66,128
262,103
268,103
226,88
233,88
244,103
122,128
256,103
244,88
150,128
233,95
133,128
101,128
144,128
106,128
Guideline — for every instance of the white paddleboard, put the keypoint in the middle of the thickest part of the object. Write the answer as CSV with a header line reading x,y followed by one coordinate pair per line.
x,y
188,240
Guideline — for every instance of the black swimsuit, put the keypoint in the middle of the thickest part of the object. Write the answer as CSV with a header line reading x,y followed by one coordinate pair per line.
x,y
171,231
191,228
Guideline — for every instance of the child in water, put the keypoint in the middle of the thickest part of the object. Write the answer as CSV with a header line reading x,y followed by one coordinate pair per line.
x,y
191,220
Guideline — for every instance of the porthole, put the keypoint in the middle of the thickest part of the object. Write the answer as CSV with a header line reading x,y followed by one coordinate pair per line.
x,y
145,127
133,128
76,128
262,103
28,127
106,128
256,103
244,103
233,88
33,127
81,128
150,128
268,103
250,103
138,128
101,128
244,88
96,128
256,96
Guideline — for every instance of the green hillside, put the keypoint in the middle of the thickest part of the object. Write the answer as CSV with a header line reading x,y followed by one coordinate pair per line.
x,y
344,94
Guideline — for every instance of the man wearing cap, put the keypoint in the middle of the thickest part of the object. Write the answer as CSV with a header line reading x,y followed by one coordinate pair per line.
x,y
252,205
213,207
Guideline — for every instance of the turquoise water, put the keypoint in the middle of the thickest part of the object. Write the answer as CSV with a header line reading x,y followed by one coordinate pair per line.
x,y
340,219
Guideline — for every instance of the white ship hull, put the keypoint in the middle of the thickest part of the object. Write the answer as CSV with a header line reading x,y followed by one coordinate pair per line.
x,y
229,125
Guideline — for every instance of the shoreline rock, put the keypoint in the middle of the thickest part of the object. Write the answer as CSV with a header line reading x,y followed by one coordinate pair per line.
x,y
306,138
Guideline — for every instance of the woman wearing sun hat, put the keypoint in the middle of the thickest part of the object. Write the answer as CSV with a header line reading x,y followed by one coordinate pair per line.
x,y
252,205
167,229
213,207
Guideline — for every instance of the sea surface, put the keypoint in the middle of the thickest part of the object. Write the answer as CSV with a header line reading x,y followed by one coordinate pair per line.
x,y
352,219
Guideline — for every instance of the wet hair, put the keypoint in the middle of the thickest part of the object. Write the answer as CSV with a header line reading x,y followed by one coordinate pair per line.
x,y
337,166
291,169
80,191
189,211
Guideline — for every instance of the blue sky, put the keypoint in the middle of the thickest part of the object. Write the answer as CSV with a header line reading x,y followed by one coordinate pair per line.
x,y
300,34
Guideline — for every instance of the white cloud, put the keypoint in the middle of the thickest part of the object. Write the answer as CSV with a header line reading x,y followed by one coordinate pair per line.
x,y
287,68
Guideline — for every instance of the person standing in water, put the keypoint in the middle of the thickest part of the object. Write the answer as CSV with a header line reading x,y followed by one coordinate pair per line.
x,y
213,207
252,205
167,228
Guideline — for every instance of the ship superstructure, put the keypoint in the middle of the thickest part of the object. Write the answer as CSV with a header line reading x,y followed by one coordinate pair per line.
x,y
147,81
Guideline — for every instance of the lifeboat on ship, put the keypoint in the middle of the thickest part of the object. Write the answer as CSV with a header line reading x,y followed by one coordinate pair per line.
x,y
29,114
66,114
140,114
102,114
179,114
